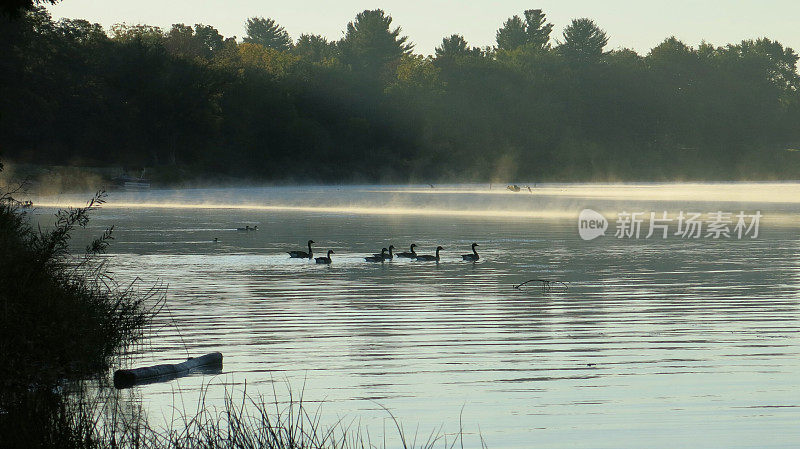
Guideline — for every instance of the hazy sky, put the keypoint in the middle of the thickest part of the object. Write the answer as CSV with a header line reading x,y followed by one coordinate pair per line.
x,y
635,24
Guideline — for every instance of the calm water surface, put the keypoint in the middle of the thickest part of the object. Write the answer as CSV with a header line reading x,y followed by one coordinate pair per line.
x,y
656,343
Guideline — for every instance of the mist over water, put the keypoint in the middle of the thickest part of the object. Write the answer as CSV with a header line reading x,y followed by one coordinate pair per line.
x,y
479,200
656,343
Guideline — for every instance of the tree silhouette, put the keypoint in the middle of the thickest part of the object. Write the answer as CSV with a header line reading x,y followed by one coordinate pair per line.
x,y
209,37
537,30
583,41
455,45
81,31
13,8
369,43
512,34
532,31
187,102
314,48
267,32
770,60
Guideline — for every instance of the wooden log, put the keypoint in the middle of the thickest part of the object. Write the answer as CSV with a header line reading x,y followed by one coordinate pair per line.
x,y
126,378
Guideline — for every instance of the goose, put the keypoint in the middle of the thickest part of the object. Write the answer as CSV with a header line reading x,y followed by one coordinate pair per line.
x,y
471,257
216,240
379,258
303,254
326,259
246,228
390,256
429,258
411,254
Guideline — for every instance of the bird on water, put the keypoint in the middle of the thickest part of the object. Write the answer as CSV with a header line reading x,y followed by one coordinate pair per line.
x,y
390,256
412,254
428,257
303,254
326,259
379,257
471,257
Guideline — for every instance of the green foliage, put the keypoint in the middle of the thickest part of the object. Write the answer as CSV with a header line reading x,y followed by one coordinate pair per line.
x,y
315,48
266,59
81,32
202,41
418,72
193,103
61,317
452,46
370,46
537,29
533,31
14,8
583,41
145,35
512,34
267,33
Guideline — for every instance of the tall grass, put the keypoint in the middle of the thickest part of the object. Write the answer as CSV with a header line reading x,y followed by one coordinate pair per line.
x,y
95,418
241,422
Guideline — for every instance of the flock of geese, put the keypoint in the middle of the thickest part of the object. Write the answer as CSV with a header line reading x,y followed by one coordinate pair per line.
x,y
385,254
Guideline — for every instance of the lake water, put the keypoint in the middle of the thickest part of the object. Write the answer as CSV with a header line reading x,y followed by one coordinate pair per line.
x,y
656,343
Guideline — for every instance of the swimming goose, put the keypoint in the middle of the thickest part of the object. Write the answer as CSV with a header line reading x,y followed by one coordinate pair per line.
x,y
471,257
428,257
326,259
246,228
411,254
390,256
379,258
302,254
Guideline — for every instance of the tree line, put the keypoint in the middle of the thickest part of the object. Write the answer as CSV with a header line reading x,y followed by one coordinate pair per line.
x,y
189,102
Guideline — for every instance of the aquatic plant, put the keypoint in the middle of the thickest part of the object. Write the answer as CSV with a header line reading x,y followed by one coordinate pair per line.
x,y
62,316
62,319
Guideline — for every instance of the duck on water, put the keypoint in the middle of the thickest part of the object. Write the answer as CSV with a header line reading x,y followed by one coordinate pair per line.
x,y
248,228
428,257
471,257
412,254
303,254
326,259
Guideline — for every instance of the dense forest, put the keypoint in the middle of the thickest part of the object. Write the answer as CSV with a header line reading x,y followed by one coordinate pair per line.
x,y
192,103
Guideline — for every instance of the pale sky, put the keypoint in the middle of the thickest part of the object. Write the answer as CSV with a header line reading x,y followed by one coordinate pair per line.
x,y
634,24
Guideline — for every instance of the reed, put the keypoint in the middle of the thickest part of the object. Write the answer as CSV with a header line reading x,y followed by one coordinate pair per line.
x,y
95,418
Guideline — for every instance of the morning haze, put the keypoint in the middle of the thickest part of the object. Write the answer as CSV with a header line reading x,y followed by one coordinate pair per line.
x,y
416,225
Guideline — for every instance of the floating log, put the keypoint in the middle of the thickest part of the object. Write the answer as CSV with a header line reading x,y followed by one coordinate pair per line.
x,y
126,378
548,285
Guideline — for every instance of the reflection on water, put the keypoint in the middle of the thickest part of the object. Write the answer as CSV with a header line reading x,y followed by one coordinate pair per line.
x,y
656,343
